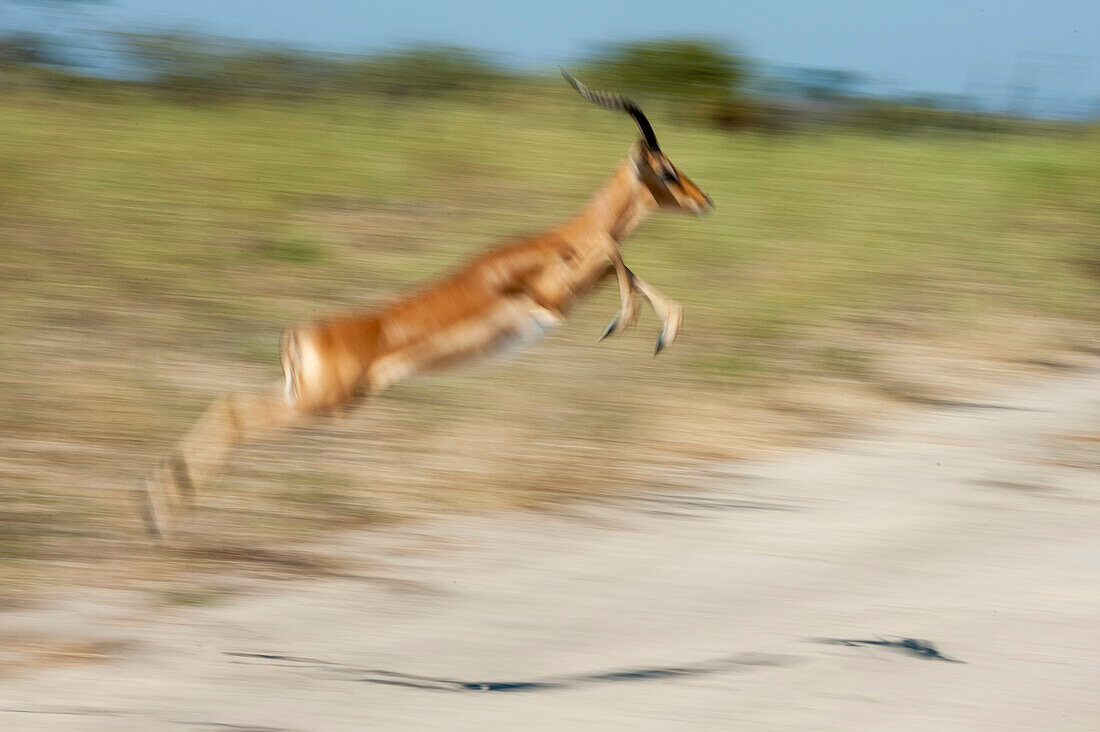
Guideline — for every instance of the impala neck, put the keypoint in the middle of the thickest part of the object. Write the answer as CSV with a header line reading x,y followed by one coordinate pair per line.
x,y
620,204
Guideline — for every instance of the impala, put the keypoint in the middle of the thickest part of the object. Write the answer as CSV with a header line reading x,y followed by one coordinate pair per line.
x,y
510,294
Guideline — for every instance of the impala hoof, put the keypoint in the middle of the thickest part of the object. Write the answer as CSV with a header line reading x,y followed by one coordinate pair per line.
x,y
152,511
611,328
670,328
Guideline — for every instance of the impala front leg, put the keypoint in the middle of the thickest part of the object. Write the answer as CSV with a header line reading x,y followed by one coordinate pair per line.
x,y
628,304
668,310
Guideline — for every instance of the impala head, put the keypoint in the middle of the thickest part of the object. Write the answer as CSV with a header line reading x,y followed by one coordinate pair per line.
x,y
669,187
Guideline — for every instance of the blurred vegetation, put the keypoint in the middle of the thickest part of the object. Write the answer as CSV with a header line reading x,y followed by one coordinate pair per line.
x,y
27,49
678,68
695,71
904,117
152,250
699,80
204,67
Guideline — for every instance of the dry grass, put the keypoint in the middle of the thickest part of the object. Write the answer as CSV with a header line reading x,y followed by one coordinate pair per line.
x,y
23,653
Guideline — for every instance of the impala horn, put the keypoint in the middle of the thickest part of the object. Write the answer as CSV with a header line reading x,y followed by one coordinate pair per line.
x,y
617,102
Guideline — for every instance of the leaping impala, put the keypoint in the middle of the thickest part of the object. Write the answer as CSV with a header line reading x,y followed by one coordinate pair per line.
x,y
511,293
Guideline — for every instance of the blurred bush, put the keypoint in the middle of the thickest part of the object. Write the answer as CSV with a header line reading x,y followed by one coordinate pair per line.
x,y
699,71
429,70
203,67
916,116
705,79
18,49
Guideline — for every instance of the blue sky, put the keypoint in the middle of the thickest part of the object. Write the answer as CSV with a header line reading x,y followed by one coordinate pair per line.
x,y
938,46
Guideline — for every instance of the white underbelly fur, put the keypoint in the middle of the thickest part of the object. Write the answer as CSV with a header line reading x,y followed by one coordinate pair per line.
x,y
537,324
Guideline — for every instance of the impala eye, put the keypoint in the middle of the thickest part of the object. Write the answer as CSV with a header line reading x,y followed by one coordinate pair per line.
x,y
669,176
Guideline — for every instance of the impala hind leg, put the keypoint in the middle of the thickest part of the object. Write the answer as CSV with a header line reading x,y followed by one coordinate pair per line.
x,y
231,420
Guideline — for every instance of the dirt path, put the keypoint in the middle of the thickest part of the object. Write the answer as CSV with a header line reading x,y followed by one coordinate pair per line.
x,y
718,603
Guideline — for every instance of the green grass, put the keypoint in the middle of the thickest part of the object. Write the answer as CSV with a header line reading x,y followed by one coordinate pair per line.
x,y
147,200
150,253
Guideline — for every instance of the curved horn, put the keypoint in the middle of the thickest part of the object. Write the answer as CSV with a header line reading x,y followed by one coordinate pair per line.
x,y
607,100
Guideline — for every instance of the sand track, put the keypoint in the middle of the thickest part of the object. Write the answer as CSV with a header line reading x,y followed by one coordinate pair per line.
x,y
732,599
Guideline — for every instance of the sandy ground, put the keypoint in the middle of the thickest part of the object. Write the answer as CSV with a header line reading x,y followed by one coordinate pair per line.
x,y
973,529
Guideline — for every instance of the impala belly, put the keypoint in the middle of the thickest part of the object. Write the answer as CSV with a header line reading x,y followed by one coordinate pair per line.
x,y
531,327
505,326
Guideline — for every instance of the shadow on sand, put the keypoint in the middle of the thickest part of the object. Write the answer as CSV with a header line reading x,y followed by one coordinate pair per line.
x,y
437,683
912,646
